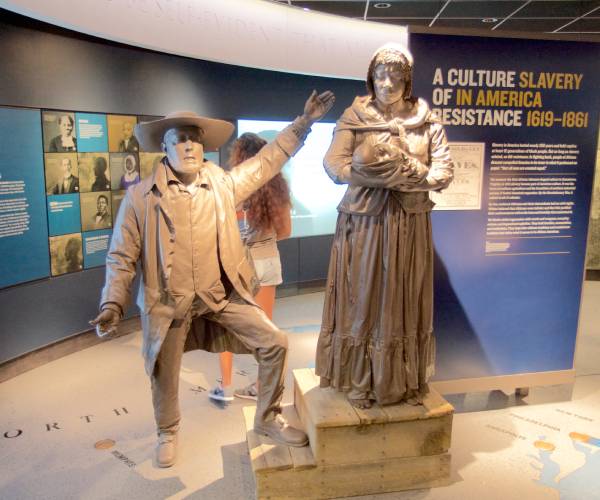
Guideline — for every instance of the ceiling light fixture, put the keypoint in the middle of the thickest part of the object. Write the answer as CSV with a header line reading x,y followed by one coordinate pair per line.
x,y
489,20
382,5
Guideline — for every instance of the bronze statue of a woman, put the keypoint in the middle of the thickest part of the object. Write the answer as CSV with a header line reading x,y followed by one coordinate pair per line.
x,y
376,341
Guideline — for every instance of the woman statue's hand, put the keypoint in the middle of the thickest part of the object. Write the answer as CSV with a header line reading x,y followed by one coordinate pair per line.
x,y
389,174
317,106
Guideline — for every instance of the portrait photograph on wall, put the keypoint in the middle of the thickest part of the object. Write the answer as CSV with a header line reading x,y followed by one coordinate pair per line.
x,y
59,131
124,170
66,254
95,211
94,174
62,173
120,134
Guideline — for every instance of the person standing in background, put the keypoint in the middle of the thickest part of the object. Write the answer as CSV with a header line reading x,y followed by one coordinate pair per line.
x,y
265,219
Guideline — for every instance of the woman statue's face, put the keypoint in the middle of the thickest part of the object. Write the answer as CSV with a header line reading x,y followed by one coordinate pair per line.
x,y
129,166
388,83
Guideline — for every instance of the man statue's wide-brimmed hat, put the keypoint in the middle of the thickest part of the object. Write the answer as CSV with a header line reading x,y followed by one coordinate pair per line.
x,y
214,132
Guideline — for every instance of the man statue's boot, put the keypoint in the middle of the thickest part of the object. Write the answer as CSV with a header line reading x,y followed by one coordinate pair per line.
x,y
279,431
166,449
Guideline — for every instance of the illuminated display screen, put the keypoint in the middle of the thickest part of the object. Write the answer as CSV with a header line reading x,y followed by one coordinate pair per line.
x,y
314,195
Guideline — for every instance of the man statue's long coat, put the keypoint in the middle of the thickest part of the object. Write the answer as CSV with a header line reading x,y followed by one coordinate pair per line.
x,y
144,231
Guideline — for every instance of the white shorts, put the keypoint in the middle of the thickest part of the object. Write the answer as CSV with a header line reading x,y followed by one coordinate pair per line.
x,y
268,271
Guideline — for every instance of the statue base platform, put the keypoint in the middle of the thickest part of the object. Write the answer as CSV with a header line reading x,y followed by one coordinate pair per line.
x,y
352,451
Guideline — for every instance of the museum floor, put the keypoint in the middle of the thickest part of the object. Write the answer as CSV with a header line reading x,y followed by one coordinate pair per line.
x,y
52,416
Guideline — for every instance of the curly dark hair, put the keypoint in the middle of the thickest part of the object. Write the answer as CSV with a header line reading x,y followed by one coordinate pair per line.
x,y
265,206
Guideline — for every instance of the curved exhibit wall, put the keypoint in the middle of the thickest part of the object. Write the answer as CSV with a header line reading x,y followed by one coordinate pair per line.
x,y
50,68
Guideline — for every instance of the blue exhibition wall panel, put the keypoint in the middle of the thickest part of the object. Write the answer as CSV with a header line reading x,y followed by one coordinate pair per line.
x,y
92,132
95,247
510,234
23,225
63,214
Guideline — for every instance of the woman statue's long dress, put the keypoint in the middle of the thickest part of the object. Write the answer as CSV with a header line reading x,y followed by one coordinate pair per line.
x,y
376,341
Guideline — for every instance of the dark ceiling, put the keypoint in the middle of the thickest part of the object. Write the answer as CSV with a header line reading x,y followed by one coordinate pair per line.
x,y
577,20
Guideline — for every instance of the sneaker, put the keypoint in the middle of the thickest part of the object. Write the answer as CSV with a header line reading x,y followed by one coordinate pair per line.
x,y
166,449
279,431
248,392
219,394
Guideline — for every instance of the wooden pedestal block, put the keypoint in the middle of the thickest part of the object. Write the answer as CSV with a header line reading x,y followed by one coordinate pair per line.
x,y
283,472
342,434
352,452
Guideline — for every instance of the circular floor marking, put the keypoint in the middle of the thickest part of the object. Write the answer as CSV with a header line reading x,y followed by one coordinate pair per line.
x,y
104,444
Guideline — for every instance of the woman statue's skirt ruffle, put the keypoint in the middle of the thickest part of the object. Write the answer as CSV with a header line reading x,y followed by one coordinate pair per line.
x,y
376,337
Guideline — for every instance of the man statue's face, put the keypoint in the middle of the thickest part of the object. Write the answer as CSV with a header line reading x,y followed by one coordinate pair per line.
x,y
184,150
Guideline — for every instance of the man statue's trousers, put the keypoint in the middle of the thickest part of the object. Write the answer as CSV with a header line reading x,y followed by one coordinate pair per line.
x,y
252,327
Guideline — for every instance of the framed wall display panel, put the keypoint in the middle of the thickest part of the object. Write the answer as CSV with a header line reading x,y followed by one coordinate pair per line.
x,y
62,173
59,131
95,245
23,222
66,255
94,174
509,270
96,211
120,134
124,170
74,169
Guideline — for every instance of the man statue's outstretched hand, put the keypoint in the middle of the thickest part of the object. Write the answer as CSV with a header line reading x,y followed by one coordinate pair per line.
x,y
317,105
106,323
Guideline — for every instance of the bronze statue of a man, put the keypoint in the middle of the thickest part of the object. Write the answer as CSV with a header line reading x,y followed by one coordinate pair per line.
x,y
376,341
196,289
